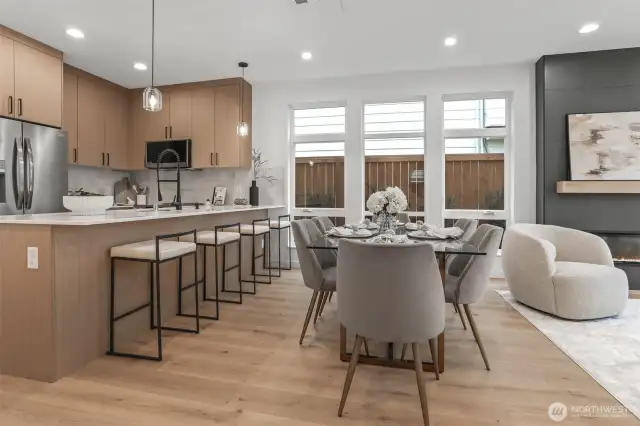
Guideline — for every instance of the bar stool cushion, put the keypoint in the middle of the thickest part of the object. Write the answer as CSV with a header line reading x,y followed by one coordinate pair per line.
x,y
146,250
209,237
248,229
283,224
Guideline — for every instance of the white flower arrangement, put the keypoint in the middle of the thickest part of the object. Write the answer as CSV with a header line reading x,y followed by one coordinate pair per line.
x,y
391,201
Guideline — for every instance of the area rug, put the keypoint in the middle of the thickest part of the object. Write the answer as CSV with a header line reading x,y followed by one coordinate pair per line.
x,y
608,349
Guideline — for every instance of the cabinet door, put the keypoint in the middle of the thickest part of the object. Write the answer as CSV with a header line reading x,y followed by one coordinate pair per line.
x,y
116,124
138,133
91,125
158,122
38,86
7,98
180,114
227,114
70,114
203,127
246,143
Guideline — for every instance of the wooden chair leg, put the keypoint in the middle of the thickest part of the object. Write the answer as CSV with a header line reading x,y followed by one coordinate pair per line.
x,y
417,361
331,296
464,324
309,312
476,334
455,307
366,347
324,302
350,373
404,351
433,345
320,298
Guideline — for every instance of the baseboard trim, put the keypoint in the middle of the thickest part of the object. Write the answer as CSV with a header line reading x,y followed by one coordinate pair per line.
x,y
634,294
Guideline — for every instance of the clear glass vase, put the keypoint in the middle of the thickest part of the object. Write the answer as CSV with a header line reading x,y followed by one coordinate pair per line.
x,y
386,222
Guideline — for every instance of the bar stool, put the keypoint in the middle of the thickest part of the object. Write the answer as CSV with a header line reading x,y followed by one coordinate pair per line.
x,y
216,238
154,252
280,225
259,228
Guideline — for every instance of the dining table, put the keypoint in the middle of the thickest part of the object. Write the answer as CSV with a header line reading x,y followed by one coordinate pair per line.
x,y
443,248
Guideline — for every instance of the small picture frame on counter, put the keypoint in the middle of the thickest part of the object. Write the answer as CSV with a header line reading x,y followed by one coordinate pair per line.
x,y
219,195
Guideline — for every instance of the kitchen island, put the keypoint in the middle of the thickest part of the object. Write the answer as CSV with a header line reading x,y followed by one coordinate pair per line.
x,y
55,312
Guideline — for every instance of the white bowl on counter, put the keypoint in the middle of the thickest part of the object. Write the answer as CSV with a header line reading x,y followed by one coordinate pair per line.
x,y
87,205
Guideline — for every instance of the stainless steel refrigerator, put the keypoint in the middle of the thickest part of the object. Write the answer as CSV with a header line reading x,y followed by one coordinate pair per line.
x,y
33,168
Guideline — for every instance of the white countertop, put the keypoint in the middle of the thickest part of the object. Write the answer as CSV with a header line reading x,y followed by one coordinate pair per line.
x,y
122,216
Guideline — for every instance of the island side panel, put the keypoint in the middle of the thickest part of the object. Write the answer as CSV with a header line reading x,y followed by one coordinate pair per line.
x,y
27,344
82,284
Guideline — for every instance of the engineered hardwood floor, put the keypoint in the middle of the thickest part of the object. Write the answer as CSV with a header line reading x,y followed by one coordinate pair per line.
x,y
248,369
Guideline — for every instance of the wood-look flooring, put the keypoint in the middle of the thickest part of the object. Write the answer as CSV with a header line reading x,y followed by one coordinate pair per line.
x,y
248,369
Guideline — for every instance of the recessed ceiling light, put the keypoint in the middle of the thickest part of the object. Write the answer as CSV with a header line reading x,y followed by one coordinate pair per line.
x,y
589,28
140,66
450,41
306,56
75,33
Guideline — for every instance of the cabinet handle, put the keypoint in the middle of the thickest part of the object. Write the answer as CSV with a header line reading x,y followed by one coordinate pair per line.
x,y
108,159
211,159
10,104
103,158
170,132
216,158
75,155
19,107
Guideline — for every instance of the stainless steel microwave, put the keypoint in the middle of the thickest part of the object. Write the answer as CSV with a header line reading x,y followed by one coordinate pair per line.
x,y
169,161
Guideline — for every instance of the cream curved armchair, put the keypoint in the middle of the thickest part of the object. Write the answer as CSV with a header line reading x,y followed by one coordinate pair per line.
x,y
562,271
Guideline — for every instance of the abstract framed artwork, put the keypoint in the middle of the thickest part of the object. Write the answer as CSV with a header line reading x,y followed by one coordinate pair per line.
x,y
604,146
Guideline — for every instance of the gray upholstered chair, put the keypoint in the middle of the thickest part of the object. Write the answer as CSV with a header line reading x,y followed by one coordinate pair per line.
x,y
468,277
390,293
323,222
318,272
404,217
468,227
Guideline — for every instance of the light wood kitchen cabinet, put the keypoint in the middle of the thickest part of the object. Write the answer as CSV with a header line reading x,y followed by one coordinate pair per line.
x,y
70,114
231,149
38,86
30,79
180,113
138,124
116,128
203,128
7,83
91,123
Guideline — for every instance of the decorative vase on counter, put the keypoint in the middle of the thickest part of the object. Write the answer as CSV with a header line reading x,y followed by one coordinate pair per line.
x,y
254,194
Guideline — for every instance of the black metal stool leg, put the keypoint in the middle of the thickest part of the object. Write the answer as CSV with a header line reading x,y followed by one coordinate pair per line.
x,y
158,311
112,308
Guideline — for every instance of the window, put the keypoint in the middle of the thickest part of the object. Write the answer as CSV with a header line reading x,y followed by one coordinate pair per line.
x,y
476,135
317,136
394,149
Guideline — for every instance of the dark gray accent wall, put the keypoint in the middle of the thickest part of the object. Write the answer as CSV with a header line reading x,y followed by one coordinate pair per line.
x,y
603,81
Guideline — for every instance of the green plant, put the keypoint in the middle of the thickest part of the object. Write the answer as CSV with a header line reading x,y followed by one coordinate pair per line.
x,y
494,200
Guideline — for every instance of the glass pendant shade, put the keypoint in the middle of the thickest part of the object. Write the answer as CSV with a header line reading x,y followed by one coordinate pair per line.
x,y
152,99
243,129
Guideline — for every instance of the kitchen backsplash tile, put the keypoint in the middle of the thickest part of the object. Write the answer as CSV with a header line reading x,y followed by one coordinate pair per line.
x,y
94,179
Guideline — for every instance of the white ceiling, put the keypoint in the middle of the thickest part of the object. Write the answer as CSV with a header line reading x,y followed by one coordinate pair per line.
x,y
205,39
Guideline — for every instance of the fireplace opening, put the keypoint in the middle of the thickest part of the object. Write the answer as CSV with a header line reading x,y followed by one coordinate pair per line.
x,y
625,250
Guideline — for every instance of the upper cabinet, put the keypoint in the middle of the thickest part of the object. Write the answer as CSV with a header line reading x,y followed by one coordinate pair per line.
x,y
96,118
232,105
30,80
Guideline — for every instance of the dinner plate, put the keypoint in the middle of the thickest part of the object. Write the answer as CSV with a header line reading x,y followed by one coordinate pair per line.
x,y
426,237
353,236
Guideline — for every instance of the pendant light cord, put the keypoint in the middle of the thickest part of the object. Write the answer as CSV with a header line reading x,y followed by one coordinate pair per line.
x,y
153,37
242,97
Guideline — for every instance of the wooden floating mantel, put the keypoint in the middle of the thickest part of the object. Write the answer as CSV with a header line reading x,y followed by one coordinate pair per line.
x,y
598,187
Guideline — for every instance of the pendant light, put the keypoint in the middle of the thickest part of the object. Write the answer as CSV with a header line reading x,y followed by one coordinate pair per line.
x,y
152,97
243,126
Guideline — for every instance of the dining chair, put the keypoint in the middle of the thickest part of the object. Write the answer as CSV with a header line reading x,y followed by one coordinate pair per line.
x,y
468,277
317,267
397,297
404,217
323,222
468,227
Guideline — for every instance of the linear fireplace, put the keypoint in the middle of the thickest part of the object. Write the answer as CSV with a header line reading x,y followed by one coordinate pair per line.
x,y
625,249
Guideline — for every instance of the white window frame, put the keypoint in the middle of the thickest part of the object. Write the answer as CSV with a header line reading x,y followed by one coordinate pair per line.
x,y
393,135
326,137
495,132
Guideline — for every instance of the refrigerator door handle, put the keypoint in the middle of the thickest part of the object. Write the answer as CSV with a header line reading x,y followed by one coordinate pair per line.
x,y
18,173
30,173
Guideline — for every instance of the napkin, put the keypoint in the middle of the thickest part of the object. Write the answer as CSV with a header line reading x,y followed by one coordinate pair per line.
x,y
340,231
441,233
389,239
